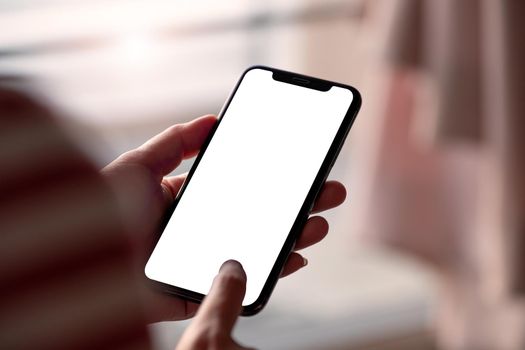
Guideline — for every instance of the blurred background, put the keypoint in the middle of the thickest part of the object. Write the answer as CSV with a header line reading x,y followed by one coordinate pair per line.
x,y
414,250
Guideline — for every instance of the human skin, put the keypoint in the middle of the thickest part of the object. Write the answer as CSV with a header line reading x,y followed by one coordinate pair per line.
x,y
74,248
147,168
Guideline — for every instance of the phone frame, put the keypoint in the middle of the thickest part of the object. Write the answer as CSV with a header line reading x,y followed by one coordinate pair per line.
x,y
329,160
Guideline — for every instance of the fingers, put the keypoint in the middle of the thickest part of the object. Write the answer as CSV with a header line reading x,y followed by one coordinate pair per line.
x,y
295,262
331,196
164,152
223,303
213,325
315,229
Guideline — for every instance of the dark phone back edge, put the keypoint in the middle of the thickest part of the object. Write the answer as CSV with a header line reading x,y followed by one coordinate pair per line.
x,y
304,212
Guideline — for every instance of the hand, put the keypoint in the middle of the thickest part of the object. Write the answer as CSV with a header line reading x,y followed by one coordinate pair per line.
x,y
141,173
214,322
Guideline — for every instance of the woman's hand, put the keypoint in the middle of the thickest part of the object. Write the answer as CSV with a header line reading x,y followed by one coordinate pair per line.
x,y
140,179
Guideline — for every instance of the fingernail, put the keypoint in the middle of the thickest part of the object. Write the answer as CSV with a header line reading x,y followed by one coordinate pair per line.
x,y
305,261
233,267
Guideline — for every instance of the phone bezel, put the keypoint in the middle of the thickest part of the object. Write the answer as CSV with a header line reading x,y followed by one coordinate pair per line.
x,y
302,216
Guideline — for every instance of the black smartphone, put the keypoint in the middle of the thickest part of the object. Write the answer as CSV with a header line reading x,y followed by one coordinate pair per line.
x,y
253,184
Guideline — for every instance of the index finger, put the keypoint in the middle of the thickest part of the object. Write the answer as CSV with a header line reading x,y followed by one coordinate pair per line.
x,y
223,303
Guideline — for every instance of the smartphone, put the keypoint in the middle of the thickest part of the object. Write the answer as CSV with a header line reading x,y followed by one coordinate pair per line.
x,y
254,183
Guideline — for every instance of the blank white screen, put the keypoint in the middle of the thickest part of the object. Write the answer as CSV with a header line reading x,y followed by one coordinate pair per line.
x,y
250,184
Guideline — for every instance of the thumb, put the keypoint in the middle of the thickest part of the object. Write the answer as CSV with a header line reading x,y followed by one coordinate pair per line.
x,y
224,301
164,152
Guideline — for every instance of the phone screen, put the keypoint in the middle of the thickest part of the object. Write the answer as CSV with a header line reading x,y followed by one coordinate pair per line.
x,y
250,184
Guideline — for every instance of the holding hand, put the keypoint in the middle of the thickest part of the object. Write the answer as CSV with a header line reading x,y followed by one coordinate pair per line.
x,y
146,168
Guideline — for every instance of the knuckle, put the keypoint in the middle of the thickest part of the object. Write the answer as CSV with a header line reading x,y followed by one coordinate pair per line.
x,y
132,156
175,129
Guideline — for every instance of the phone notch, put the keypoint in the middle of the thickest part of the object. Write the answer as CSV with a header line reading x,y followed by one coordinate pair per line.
x,y
301,80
